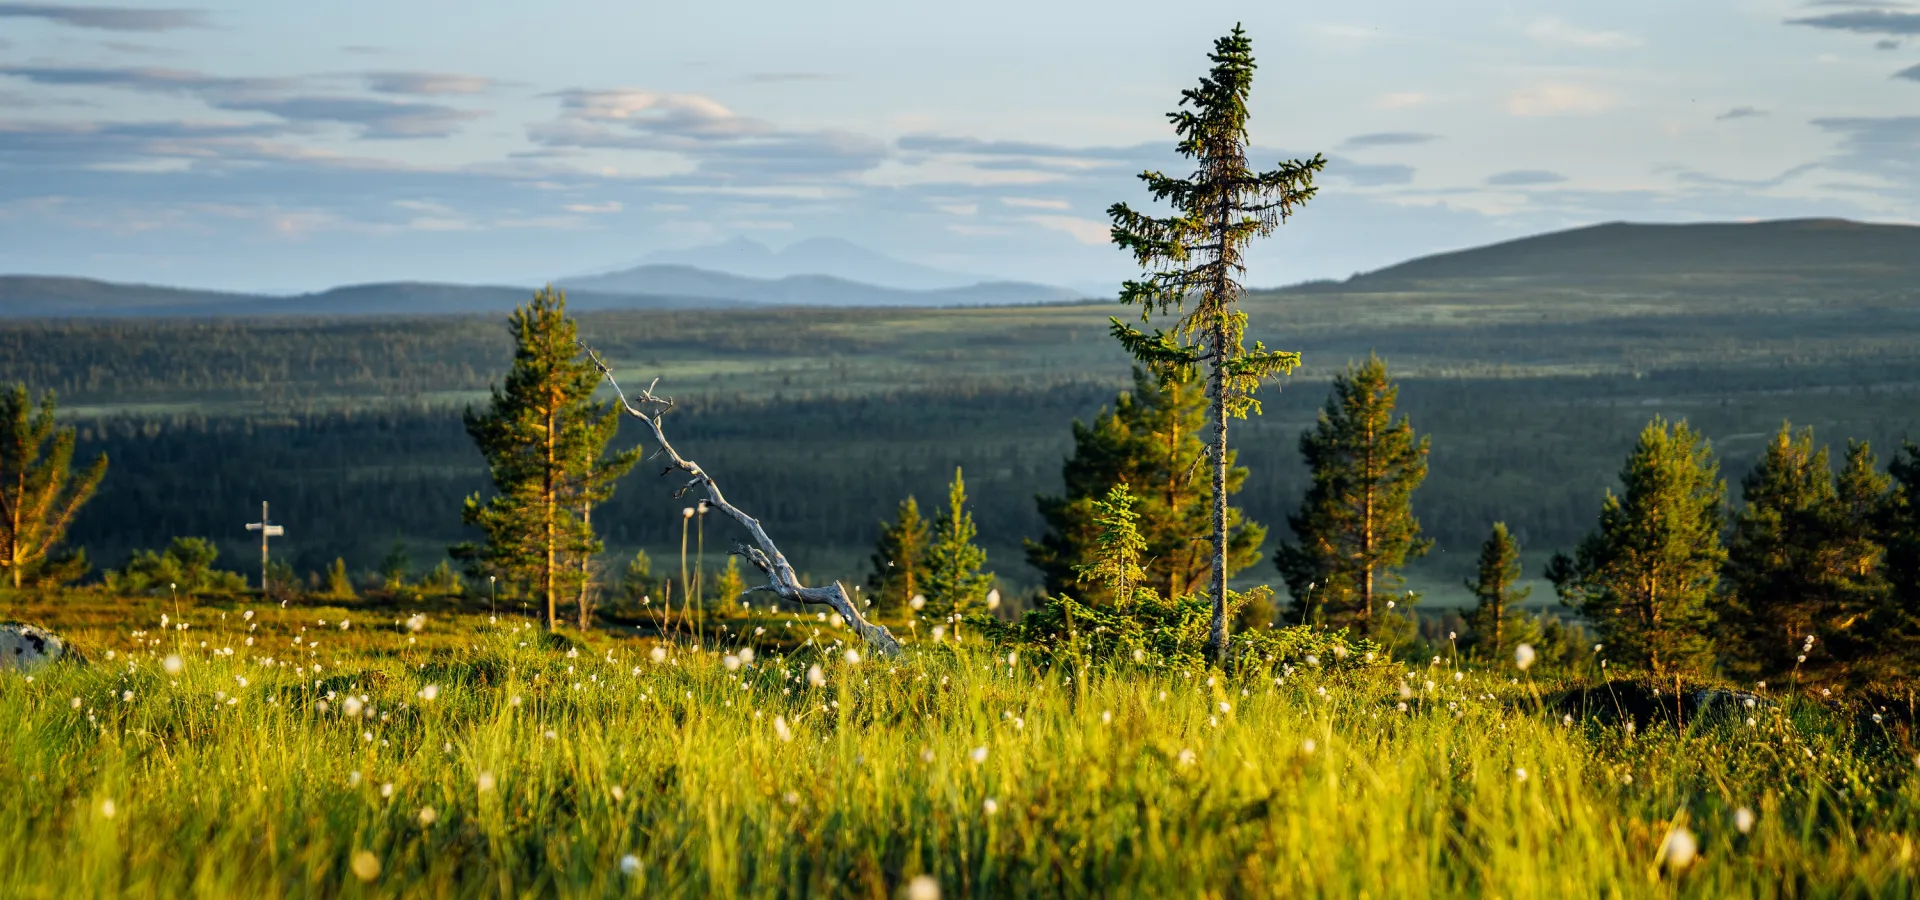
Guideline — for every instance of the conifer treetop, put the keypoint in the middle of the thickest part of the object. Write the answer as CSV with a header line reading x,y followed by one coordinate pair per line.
x,y
1196,253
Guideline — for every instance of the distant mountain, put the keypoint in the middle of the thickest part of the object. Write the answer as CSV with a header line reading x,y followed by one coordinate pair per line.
x,y
36,296
808,290
816,256
1805,248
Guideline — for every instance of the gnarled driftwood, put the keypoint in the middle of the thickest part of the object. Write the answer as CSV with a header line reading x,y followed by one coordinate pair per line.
x,y
781,579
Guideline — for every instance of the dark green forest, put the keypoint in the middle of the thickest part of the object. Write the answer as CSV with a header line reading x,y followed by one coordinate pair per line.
x,y
1532,387
822,471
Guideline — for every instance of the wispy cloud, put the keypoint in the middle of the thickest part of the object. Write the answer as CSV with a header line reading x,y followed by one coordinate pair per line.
x,y
1865,21
778,77
1525,178
721,143
1555,31
1557,99
108,18
279,97
427,84
1388,139
1740,112
1086,231
1911,73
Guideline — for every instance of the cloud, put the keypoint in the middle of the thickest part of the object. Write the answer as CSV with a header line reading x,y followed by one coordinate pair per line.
x,y
1739,112
1555,99
1400,100
1035,203
610,206
1865,21
1364,175
1887,146
778,77
1886,44
936,143
1911,73
273,96
720,142
1525,178
427,84
108,18
1555,31
1388,139
1086,231
383,119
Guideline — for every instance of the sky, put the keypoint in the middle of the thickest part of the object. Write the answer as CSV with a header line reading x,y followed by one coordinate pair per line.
x,y
288,146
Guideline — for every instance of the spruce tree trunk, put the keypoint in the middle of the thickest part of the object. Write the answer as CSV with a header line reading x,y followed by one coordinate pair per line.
x,y
1217,634
550,500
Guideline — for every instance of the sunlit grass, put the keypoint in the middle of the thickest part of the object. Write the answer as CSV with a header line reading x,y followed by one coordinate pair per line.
x,y
475,757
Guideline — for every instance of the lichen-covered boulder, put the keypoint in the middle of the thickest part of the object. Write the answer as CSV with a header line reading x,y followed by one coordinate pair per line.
x,y
28,647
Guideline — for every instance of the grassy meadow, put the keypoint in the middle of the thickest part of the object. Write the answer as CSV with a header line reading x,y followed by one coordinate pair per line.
x,y
234,749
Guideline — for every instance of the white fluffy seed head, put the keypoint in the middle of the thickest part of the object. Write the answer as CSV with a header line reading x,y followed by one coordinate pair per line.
x,y
173,664
1679,849
1743,820
1523,656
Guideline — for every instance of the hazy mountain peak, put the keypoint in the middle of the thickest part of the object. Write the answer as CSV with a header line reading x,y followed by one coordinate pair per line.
x,y
832,256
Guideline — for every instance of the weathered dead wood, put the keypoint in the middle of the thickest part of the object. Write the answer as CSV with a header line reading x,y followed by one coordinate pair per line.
x,y
766,556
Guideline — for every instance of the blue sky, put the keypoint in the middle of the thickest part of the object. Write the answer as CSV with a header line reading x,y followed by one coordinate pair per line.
x,y
289,146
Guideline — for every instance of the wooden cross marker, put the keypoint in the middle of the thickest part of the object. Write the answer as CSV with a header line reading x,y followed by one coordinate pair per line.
x,y
267,530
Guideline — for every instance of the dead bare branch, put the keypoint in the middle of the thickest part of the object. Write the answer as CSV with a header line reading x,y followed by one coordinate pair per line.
x,y
766,556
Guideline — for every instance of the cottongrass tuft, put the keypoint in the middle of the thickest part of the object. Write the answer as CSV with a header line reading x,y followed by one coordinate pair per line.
x,y
173,664
629,865
484,782
1743,820
991,807
780,729
1679,849
816,677
923,887
430,692
107,809
1523,656
979,754
427,816
853,657
366,866
1308,746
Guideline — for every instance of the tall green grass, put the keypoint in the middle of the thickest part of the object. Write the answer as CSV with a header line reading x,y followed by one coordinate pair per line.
x,y
486,760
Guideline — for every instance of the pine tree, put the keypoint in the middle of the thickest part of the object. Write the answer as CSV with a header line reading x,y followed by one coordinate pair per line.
x,y
1496,624
1150,442
1197,254
731,584
339,585
1894,652
954,580
38,494
1356,527
1118,546
545,440
636,580
1647,577
899,559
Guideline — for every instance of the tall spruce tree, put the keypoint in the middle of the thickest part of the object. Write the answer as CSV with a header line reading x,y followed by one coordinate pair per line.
x,y
544,440
1356,526
1196,254
1150,442
1647,577
1857,650
39,495
1779,569
1893,652
954,582
1496,624
899,559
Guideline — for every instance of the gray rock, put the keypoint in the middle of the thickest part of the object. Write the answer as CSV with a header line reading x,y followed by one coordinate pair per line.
x,y
29,647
